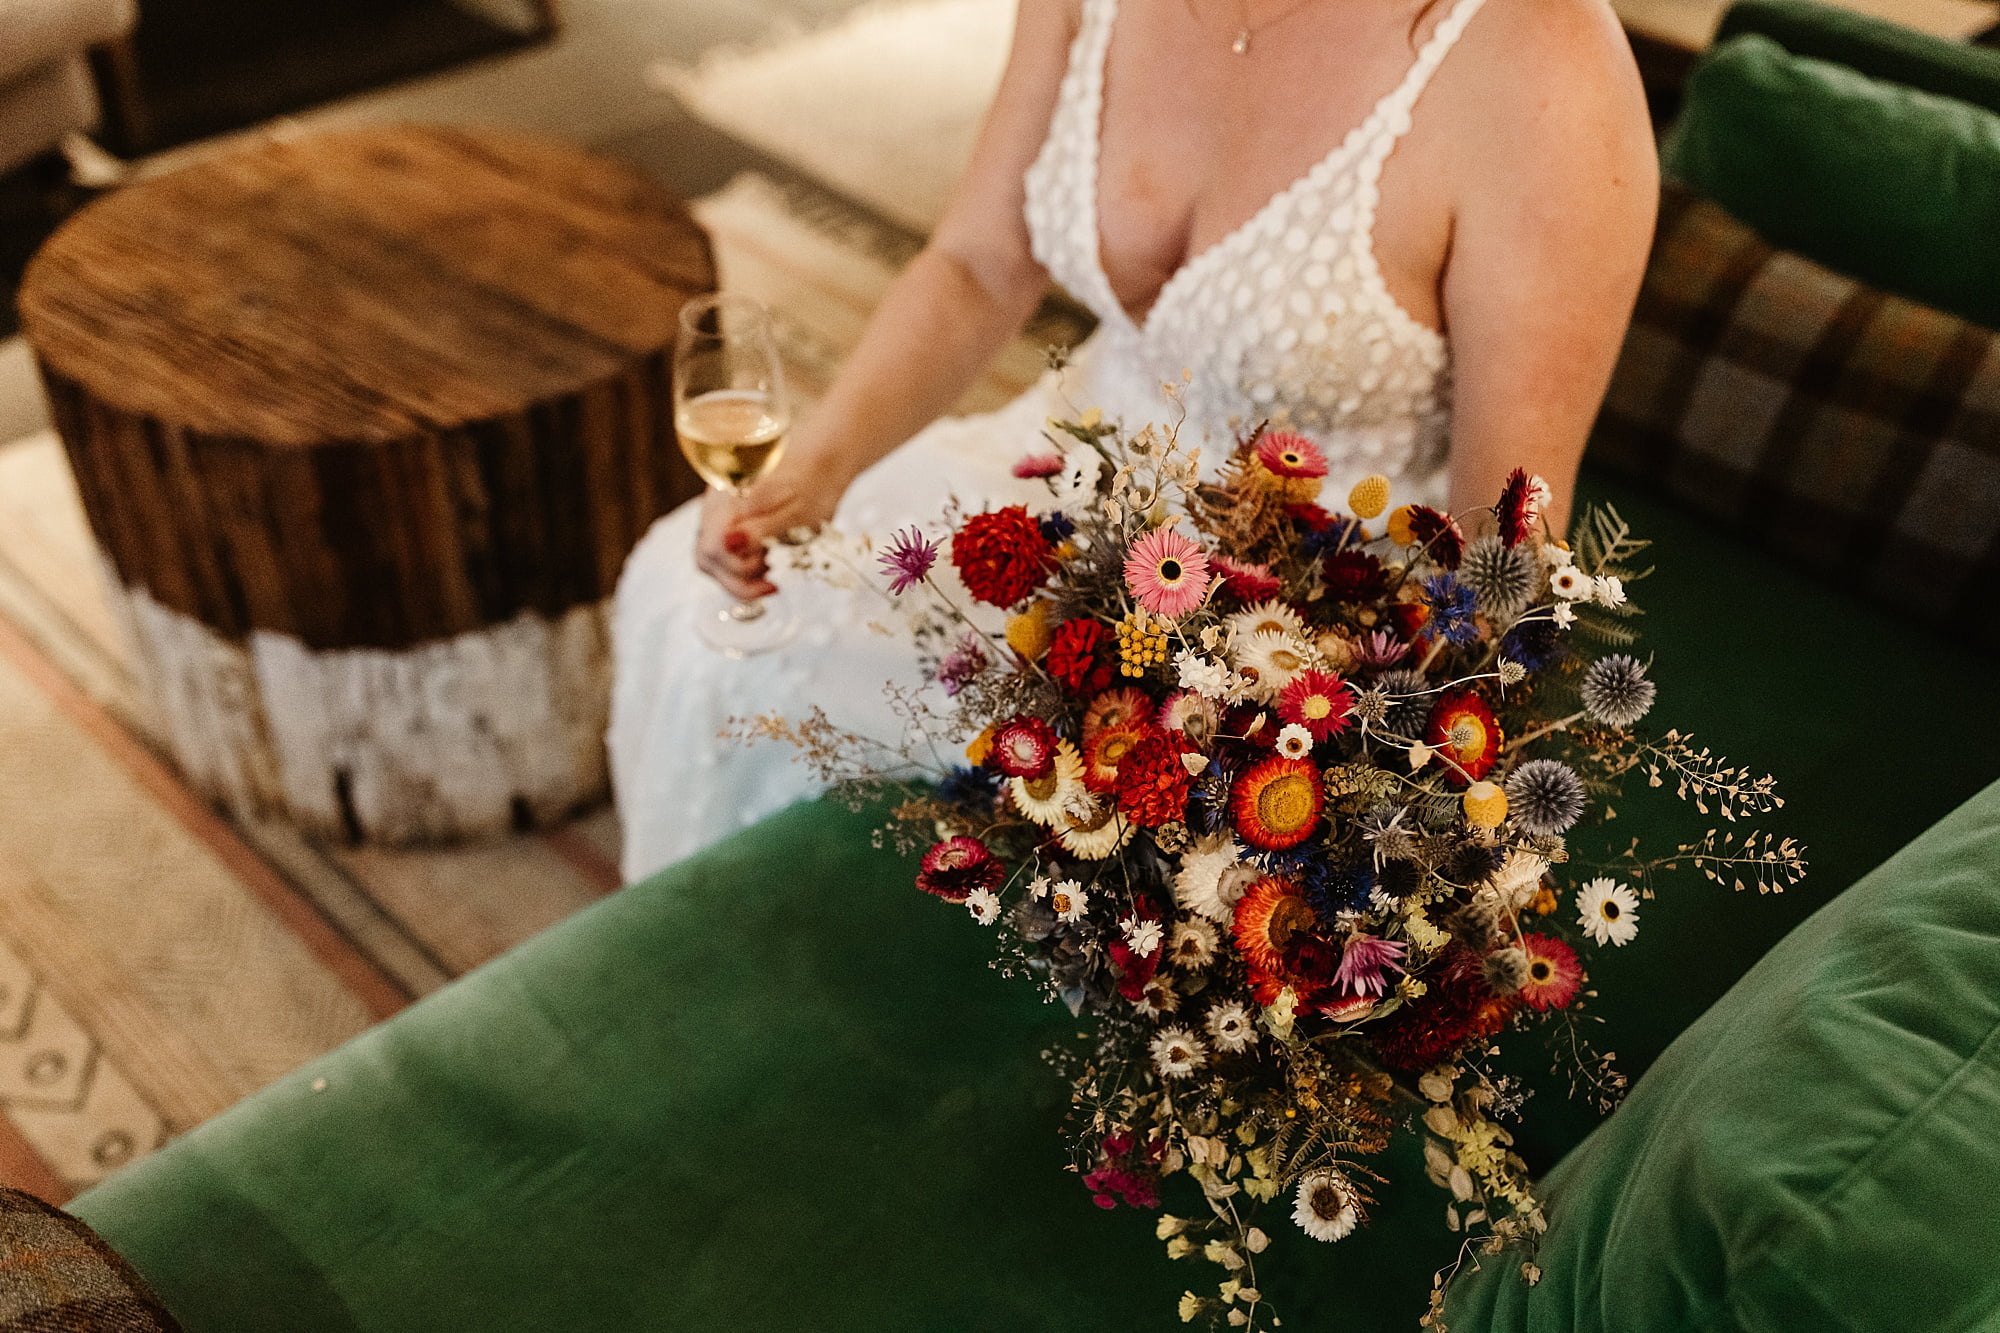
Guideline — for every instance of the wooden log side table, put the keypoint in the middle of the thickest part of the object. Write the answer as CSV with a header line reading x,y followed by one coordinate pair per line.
x,y
366,424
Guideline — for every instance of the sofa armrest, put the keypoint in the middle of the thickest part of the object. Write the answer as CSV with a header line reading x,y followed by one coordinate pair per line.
x,y
38,32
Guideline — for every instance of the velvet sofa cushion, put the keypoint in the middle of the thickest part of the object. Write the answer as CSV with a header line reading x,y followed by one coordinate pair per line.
x,y
1877,47
778,1083
1821,1150
1889,184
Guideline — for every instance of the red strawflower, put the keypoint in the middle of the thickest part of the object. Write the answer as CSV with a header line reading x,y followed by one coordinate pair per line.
x,y
1277,802
1243,581
1518,507
1107,748
1554,975
1001,556
1463,729
1078,656
1025,748
954,868
1438,534
1317,700
1153,782
1459,1009
1354,576
1271,917
1126,707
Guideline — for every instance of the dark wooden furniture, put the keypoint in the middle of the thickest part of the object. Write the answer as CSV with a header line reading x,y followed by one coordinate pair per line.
x,y
367,424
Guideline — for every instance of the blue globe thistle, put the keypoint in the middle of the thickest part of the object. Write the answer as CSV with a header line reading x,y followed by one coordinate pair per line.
x,y
1502,577
1410,699
1545,796
1616,691
969,786
1452,605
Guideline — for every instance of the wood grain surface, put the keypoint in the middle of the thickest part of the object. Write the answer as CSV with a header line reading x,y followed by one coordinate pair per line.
x,y
371,388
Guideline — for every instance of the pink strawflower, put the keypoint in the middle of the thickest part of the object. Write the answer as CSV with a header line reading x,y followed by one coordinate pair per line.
x,y
1244,581
1365,964
1025,748
1034,466
1167,573
957,867
908,559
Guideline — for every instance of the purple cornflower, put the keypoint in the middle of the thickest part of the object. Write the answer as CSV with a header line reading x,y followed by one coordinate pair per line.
x,y
1452,604
908,559
961,664
1365,963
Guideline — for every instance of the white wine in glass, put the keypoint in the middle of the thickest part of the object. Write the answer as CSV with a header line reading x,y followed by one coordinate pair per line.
x,y
731,414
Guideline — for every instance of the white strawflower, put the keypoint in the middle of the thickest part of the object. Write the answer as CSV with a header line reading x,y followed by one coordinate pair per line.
x,y
1232,1027
1178,1052
1068,900
1198,887
1569,582
1325,1208
1556,556
984,906
1270,616
1608,911
1192,944
1143,936
1204,675
1271,659
1295,742
1610,590
1565,615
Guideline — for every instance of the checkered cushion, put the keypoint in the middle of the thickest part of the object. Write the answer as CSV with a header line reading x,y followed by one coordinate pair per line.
x,y
56,1276
1847,431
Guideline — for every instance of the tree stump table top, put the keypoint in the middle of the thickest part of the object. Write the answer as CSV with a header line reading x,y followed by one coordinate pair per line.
x,y
357,300
367,424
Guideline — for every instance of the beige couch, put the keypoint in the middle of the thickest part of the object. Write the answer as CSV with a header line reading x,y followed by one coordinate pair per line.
x,y
46,89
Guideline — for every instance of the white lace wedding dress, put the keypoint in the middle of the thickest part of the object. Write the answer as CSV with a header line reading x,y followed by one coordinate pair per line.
x,y
1286,319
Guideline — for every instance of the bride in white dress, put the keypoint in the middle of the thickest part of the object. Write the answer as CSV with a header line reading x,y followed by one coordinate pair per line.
x,y
1241,189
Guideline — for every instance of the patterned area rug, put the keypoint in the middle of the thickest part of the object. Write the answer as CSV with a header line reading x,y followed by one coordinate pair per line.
x,y
157,961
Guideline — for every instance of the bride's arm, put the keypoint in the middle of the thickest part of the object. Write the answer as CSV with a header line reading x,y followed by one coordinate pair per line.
x,y
939,326
1558,188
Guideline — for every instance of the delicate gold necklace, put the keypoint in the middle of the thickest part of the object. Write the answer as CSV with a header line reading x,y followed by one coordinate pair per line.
x,y
1246,30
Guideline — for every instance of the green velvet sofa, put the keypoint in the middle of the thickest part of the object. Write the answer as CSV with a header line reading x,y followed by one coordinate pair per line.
x,y
774,1088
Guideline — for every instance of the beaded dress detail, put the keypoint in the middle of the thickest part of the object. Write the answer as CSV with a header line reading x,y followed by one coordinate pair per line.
x,y
1286,318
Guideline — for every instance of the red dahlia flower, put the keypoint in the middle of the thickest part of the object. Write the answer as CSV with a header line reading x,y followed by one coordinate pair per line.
x,y
1025,748
1153,782
1001,556
1317,700
1276,802
1353,576
1459,1009
955,868
1464,730
1078,657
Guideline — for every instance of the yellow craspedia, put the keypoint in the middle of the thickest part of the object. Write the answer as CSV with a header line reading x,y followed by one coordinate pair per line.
x,y
1369,497
1400,531
982,745
1485,805
1030,632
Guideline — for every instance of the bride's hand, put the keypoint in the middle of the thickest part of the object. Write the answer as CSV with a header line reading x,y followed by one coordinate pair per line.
x,y
798,493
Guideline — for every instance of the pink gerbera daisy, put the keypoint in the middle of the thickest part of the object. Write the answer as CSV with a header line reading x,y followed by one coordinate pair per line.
x,y
1033,466
1285,454
1319,701
1167,573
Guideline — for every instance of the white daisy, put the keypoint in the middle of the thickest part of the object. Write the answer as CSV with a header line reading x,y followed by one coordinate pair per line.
x,y
1270,659
1295,742
1142,936
1095,833
1232,1027
1178,1052
1193,944
1608,911
984,906
1324,1207
1082,467
1046,799
1068,900
1267,617
1198,885
1569,582
1610,590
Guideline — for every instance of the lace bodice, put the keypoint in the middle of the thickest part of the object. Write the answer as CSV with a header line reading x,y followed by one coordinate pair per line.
x,y
1285,319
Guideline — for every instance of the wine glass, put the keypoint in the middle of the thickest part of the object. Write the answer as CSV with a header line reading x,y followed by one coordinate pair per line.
x,y
731,414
